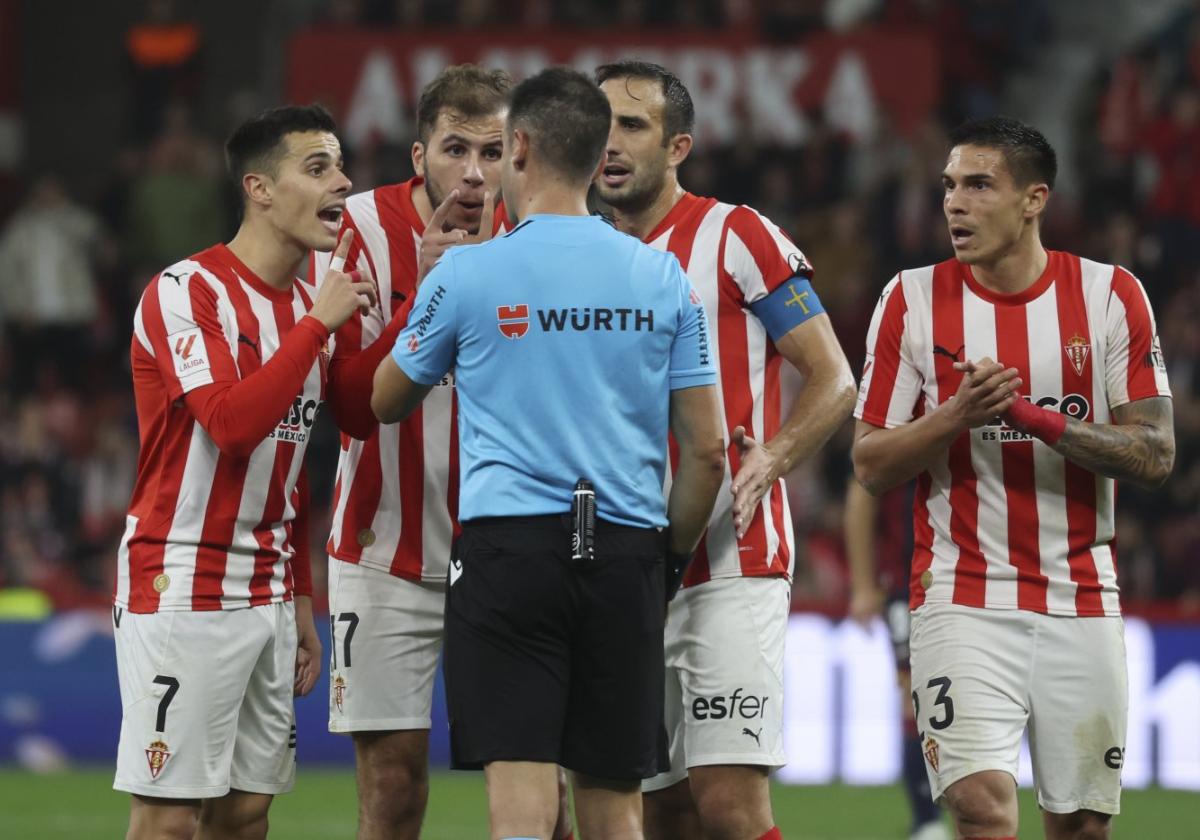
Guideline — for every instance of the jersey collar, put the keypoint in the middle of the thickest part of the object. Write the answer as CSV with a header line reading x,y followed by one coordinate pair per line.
x,y
688,203
1019,298
230,261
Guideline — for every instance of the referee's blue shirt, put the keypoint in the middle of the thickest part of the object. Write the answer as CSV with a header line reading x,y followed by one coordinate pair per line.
x,y
566,338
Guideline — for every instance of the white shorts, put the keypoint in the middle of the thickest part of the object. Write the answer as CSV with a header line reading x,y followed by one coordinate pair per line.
x,y
206,701
724,691
980,677
386,636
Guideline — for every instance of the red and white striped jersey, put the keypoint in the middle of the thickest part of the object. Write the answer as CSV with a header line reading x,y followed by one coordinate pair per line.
x,y
207,530
734,256
1001,520
395,500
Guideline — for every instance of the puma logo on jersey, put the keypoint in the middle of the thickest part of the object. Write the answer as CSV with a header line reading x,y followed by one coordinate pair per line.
x,y
253,345
754,735
938,350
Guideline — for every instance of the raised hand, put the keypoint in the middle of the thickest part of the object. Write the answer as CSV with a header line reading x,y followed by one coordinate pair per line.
x,y
987,390
436,240
343,292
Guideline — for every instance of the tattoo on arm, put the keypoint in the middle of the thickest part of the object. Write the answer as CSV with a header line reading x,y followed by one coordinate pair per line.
x,y
1139,446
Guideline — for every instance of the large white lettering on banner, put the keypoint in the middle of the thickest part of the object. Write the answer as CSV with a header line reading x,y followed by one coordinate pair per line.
x,y
753,90
742,86
842,709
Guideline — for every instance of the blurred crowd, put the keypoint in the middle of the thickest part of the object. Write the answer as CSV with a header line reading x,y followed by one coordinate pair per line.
x,y
73,266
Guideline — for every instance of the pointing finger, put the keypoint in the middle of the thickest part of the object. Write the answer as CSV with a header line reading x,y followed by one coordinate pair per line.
x,y
487,219
338,263
438,220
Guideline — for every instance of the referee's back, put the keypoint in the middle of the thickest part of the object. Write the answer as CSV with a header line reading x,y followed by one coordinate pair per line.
x,y
573,347
566,338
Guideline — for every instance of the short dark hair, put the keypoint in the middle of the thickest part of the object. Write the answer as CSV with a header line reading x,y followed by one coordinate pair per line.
x,y
567,118
679,114
257,144
1028,154
469,89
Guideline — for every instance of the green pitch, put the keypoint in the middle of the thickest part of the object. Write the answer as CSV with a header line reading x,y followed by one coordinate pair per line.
x,y
80,804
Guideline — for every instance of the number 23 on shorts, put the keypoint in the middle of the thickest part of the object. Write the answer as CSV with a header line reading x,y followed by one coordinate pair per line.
x,y
942,702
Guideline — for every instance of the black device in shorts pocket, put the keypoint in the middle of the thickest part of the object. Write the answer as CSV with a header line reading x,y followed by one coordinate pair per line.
x,y
551,659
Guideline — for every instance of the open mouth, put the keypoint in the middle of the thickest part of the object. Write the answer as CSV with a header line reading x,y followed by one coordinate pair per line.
x,y
614,175
331,217
471,208
960,236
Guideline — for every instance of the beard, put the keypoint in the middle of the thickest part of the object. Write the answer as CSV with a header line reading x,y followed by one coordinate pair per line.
x,y
436,196
634,195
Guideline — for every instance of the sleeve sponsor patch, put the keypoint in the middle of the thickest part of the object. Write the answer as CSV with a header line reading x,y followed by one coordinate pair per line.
x,y
1154,359
188,352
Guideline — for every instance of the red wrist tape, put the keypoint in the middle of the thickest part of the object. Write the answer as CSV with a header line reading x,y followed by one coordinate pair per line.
x,y
1042,423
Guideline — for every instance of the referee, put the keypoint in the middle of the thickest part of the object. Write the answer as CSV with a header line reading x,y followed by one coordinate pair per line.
x,y
574,348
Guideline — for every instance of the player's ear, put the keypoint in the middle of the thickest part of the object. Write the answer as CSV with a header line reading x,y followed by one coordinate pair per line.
x,y
1036,197
257,188
518,150
418,157
678,148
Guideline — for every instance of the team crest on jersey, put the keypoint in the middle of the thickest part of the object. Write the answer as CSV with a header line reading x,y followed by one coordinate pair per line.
x,y
513,321
156,756
931,753
339,692
1077,349
413,343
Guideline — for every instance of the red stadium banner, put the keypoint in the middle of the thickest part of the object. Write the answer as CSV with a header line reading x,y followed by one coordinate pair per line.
x,y
862,82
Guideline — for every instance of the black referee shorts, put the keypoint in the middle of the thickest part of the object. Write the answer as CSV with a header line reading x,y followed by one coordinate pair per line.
x,y
550,660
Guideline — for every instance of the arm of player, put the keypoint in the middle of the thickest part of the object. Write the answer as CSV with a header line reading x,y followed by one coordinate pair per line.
x,y
821,407
1139,446
238,414
858,525
884,458
352,377
308,643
